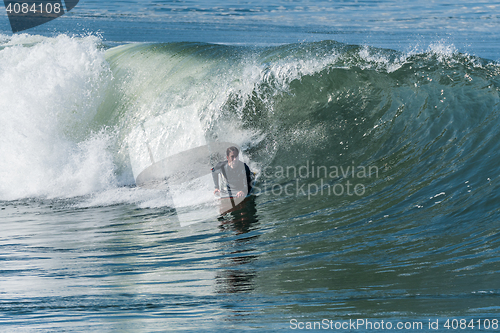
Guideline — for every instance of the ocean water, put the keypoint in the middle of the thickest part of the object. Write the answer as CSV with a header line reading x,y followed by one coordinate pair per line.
x,y
373,127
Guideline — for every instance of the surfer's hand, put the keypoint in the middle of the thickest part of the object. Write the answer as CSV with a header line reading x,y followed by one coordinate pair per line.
x,y
216,192
240,194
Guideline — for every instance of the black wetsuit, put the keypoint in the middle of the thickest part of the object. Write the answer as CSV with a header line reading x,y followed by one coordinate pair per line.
x,y
234,180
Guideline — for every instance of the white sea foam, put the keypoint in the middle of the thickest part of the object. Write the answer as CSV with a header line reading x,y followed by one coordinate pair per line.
x,y
49,93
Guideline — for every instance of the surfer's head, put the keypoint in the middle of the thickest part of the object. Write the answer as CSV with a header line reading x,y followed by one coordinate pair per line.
x,y
232,156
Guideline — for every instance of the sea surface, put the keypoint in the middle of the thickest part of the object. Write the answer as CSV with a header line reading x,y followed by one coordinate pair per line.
x,y
373,128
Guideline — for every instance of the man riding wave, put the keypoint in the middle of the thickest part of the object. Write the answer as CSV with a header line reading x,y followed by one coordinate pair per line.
x,y
232,178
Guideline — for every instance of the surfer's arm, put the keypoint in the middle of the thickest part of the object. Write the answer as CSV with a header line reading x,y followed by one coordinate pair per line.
x,y
215,177
249,178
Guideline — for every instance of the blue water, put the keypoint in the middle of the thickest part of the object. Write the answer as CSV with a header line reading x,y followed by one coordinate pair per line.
x,y
372,126
471,26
